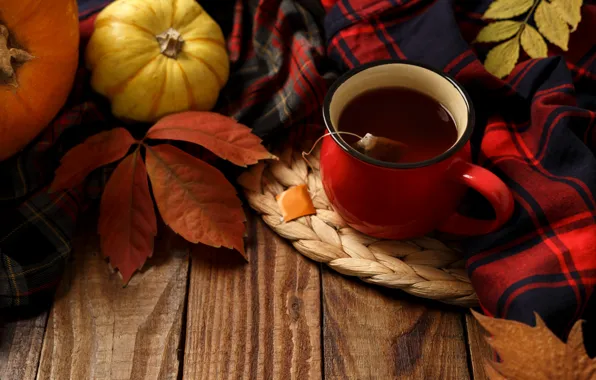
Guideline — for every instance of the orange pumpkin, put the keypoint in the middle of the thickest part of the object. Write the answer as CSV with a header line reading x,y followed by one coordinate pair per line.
x,y
39,43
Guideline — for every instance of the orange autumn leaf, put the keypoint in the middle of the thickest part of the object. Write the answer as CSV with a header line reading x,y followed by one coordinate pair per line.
x,y
98,150
221,134
295,202
535,353
195,199
127,221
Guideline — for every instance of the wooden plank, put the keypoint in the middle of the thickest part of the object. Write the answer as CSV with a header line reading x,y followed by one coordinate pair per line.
x,y
20,346
479,350
99,330
257,320
375,333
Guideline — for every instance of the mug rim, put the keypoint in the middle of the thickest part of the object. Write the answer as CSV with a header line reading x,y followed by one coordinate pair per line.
x,y
461,142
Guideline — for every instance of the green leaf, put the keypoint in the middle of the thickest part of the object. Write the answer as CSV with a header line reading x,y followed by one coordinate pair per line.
x,y
501,59
533,43
503,9
498,31
570,11
551,25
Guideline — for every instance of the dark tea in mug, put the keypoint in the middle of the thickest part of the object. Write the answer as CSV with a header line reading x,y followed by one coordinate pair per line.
x,y
423,125
428,115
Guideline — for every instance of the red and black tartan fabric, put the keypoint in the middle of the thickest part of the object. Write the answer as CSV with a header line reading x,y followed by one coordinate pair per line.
x,y
535,130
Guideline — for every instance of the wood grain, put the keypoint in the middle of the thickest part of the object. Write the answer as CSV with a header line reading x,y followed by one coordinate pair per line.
x,y
99,330
20,346
257,320
479,350
375,333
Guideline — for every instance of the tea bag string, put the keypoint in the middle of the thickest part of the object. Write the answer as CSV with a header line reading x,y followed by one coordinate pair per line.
x,y
305,154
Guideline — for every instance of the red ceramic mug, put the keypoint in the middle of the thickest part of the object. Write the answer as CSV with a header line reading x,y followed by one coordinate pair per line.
x,y
405,200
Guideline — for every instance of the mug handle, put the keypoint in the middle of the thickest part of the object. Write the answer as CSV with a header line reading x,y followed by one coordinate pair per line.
x,y
492,188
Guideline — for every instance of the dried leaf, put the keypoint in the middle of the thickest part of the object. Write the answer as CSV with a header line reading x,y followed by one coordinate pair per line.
x,y
503,9
501,59
551,25
570,11
498,31
535,353
96,151
195,199
127,221
295,202
220,134
533,43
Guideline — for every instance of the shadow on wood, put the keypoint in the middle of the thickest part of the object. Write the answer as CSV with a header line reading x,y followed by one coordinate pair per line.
x,y
373,333
20,346
100,330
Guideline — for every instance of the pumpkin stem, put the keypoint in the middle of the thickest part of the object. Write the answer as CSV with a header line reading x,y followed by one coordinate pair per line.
x,y
170,43
8,56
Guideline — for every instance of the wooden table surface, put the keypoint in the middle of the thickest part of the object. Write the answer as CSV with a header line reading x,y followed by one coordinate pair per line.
x,y
203,313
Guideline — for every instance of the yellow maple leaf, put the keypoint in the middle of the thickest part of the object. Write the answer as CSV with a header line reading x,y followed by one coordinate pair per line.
x,y
498,31
501,59
570,11
535,353
503,9
533,43
551,25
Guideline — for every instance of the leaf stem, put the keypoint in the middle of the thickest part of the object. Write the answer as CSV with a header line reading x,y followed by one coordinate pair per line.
x,y
525,22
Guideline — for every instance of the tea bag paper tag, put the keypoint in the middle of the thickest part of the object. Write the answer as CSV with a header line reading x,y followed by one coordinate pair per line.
x,y
380,148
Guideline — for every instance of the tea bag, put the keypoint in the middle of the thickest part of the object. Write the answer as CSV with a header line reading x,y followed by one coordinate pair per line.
x,y
380,148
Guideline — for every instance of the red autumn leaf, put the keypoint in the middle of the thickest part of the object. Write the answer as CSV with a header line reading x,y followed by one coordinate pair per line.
x,y
220,134
127,222
96,151
195,199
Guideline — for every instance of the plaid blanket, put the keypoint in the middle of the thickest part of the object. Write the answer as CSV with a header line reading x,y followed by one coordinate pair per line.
x,y
535,130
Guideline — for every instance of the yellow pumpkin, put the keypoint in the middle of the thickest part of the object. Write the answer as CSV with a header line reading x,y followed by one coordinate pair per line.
x,y
156,57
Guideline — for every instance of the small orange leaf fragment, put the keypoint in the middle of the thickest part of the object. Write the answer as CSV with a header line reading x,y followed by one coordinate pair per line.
x,y
295,202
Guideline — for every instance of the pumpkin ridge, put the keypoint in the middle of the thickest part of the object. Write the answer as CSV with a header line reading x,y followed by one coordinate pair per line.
x,y
115,90
148,5
111,19
208,40
174,9
135,6
189,93
157,101
209,67
182,26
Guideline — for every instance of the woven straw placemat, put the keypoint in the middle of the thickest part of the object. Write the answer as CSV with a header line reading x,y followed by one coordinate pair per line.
x,y
424,267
